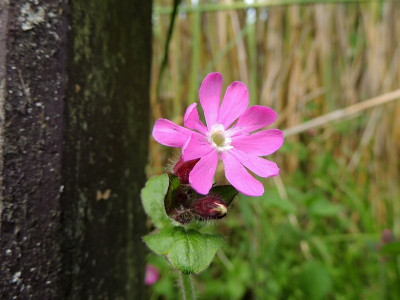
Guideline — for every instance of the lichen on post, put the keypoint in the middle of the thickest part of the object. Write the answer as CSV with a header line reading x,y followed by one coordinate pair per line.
x,y
74,114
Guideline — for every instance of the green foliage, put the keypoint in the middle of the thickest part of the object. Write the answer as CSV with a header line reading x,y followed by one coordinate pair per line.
x,y
325,226
324,208
319,241
153,200
226,192
392,248
314,280
187,250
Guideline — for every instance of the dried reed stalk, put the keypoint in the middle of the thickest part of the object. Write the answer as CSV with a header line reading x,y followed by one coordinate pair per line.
x,y
312,60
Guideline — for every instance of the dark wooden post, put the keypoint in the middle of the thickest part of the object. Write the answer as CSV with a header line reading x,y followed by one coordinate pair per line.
x,y
74,82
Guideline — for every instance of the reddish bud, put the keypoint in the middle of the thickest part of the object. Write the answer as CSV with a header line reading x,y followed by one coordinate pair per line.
x,y
312,132
210,207
387,236
183,168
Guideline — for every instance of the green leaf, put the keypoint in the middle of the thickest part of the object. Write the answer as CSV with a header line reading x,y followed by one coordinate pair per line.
x,y
315,280
174,182
153,200
246,211
227,192
187,250
391,248
273,199
325,209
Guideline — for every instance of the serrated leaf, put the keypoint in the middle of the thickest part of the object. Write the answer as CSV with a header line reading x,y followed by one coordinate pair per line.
x,y
153,195
187,250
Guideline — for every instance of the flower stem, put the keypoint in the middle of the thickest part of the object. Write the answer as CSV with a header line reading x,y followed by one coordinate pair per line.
x,y
186,285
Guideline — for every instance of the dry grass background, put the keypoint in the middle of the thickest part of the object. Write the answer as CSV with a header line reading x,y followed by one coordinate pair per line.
x,y
304,61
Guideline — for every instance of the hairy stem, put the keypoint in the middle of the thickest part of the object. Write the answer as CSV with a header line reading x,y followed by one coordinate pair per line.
x,y
186,286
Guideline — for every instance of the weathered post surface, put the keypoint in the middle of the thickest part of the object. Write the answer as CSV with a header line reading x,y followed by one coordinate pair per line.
x,y
74,81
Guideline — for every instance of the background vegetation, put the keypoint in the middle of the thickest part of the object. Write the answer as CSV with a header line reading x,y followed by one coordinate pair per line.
x,y
327,226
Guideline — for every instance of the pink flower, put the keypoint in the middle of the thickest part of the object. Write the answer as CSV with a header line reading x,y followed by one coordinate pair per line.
x,y
151,275
238,145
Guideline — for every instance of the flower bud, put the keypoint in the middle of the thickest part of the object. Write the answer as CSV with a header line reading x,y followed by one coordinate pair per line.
x,y
210,207
182,169
387,236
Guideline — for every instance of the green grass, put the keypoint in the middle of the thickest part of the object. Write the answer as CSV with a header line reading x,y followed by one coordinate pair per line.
x,y
316,233
319,240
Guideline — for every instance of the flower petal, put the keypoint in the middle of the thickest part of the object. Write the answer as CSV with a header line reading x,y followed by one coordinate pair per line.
x,y
238,176
192,121
151,275
170,134
209,94
196,146
259,143
258,165
202,175
235,102
256,117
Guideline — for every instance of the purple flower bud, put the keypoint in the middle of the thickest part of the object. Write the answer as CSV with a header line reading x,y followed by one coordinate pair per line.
x,y
387,236
151,275
182,169
210,207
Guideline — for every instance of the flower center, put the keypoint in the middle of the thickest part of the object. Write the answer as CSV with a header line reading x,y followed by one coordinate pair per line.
x,y
219,138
